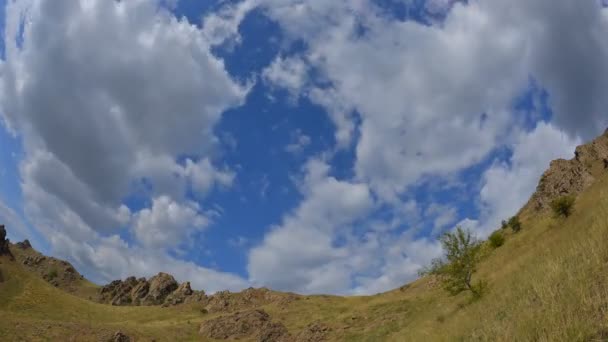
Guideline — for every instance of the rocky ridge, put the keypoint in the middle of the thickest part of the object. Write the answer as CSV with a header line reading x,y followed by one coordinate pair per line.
x,y
571,177
162,289
57,272
4,243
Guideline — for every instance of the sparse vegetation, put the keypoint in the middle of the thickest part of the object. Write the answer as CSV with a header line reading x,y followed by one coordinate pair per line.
x,y
562,206
52,274
504,224
515,223
496,239
462,253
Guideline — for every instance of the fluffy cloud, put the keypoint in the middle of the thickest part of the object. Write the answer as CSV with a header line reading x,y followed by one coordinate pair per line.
x,y
105,95
319,248
167,223
301,253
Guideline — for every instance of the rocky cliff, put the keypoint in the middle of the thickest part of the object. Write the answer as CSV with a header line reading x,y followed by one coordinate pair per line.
x,y
571,177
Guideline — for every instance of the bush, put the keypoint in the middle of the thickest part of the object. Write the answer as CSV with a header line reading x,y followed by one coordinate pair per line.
x,y
496,239
515,224
52,274
562,206
504,224
462,253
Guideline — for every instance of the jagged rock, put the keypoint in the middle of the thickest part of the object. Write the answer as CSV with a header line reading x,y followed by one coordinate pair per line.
x,y
120,337
4,243
315,332
25,244
249,298
179,295
34,260
139,291
254,324
161,286
161,289
571,177
118,292
197,297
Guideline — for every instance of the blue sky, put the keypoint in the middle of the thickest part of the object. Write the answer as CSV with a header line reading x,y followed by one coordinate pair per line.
x,y
314,147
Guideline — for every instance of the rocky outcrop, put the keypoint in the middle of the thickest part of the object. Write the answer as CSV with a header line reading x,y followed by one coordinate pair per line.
x,y
120,337
252,325
161,286
571,177
183,292
314,332
162,289
224,301
4,243
25,244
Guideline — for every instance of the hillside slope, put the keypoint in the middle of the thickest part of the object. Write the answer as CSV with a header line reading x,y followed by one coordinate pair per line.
x,y
549,282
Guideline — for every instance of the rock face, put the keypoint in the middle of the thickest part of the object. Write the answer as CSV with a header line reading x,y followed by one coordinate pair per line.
x,y
25,244
254,324
4,243
120,337
161,286
226,301
180,295
315,332
162,289
571,177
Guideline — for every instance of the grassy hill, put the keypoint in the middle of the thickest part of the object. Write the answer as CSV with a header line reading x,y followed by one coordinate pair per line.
x,y
548,282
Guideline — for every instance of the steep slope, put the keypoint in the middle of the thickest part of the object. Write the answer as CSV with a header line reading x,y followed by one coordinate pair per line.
x,y
549,282
58,273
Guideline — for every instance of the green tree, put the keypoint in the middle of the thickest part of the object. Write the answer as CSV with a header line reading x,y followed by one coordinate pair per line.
x,y
456,268
562,206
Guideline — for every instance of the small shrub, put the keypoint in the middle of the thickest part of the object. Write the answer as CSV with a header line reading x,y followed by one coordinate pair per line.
x,y
52,274
562,206
496,239
504,224
515,224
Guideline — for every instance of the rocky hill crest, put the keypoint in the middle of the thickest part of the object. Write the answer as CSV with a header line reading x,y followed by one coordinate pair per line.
x,y
571,177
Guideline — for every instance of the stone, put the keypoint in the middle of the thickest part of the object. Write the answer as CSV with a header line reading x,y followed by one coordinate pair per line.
x,y
120,337
25,244
252,325
179,295
4,243
161,286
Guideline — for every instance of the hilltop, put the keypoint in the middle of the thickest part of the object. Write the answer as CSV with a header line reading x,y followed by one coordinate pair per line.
x,y
548,282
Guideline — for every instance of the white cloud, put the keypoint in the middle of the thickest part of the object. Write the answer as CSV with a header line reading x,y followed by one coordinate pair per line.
x,y
167,223
300,253
288,73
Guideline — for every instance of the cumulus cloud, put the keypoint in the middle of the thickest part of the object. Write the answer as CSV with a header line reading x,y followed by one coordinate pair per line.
x,y
105,94
167,223
318,248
